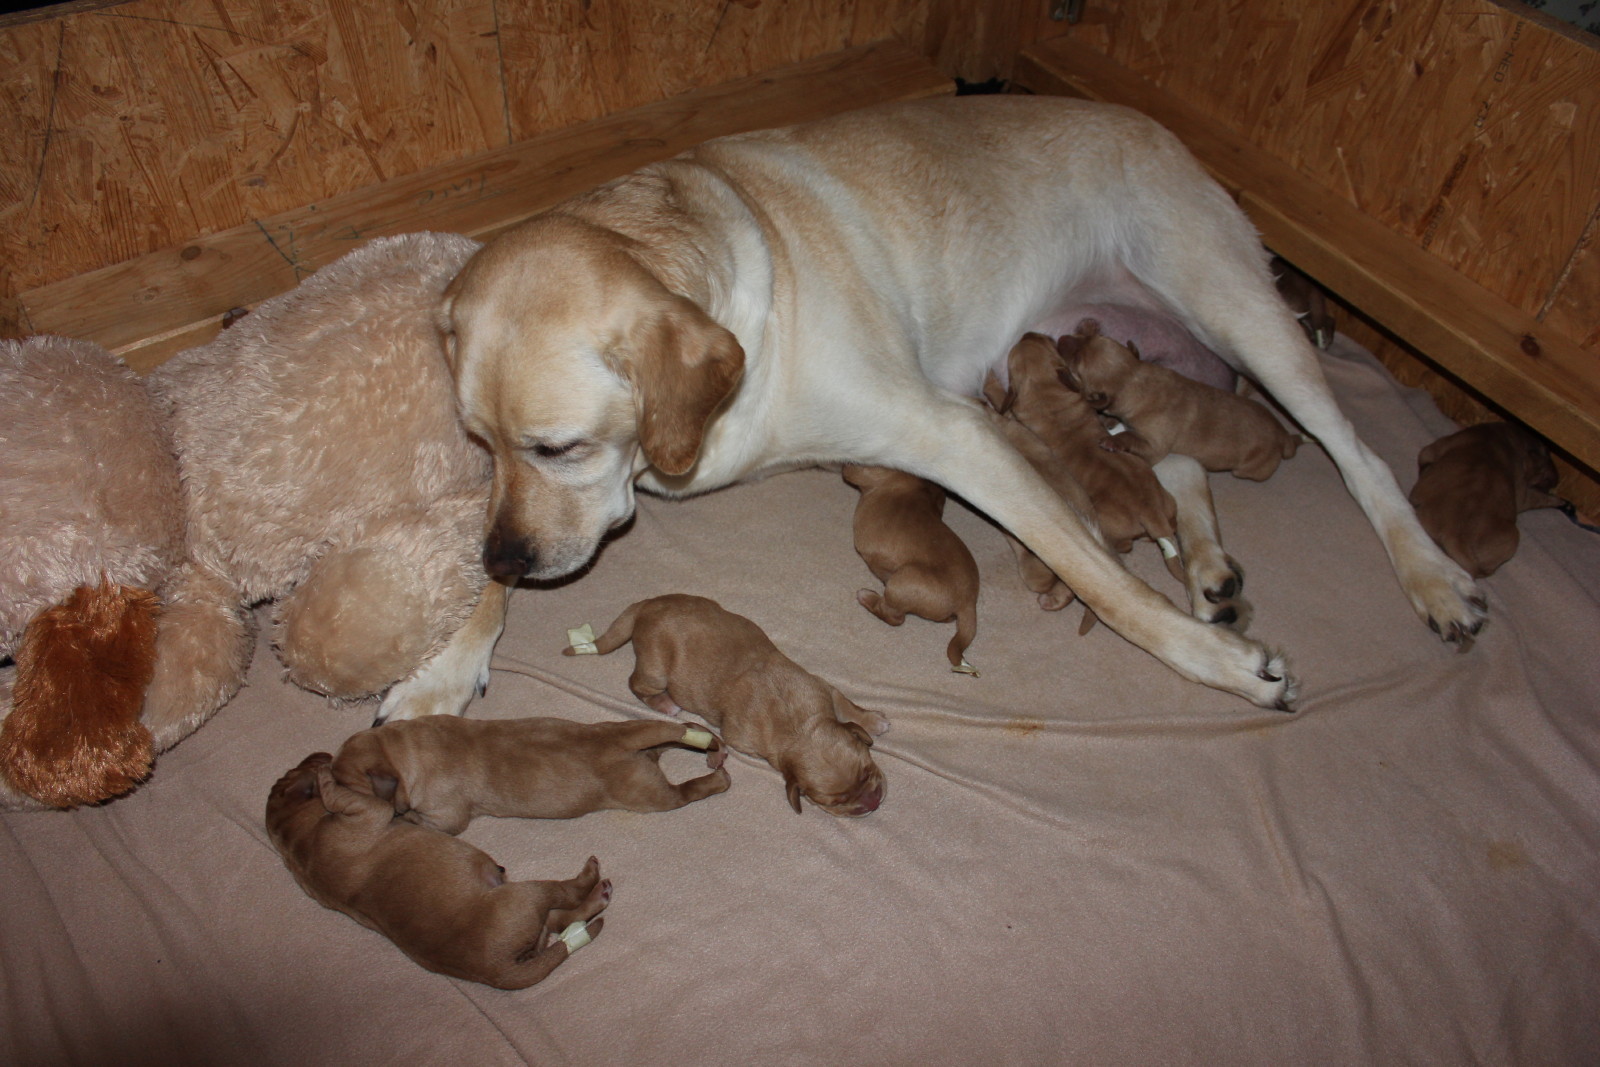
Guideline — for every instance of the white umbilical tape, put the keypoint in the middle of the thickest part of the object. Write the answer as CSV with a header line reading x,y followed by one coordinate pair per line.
x,y
576,936
582,640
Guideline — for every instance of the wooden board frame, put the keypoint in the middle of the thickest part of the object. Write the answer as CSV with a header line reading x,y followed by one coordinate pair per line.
x,y
148,308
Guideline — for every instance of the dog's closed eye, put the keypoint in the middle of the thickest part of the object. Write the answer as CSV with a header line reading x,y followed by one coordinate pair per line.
x,y
568,449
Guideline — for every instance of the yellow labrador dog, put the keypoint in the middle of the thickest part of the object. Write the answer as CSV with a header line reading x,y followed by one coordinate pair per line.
x,y
837,291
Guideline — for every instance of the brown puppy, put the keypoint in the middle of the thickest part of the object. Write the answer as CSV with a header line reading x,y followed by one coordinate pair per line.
x,y
1166,412
440,770
925,568
1471,485
446,904
693,654
1122,490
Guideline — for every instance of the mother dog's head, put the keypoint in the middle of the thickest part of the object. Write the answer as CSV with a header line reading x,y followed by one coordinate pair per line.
x,y
578,369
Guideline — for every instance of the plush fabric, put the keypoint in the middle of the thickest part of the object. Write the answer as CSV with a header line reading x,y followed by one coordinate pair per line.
x,y
1081,858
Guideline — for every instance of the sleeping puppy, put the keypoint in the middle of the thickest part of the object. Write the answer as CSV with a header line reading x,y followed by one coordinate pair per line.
x,y
1166,412
692,654
446,904
440,771
925,568
1122,491
1471,485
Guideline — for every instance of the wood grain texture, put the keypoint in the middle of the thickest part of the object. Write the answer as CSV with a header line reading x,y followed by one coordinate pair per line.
x,y
150,307
1472,131
567,62
137,126
140,126
1503,351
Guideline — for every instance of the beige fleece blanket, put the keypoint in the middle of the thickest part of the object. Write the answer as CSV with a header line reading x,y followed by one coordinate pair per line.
x,y
1081,859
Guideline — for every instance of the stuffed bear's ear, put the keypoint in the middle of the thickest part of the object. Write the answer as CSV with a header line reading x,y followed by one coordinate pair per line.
x,y
683,366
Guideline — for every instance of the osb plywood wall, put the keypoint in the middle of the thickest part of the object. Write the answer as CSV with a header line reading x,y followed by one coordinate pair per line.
x,y
1469,126
131,127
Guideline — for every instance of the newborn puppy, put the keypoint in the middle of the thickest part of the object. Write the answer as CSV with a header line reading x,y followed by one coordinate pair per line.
x,y
446,904
1122,490
1166,412
1471,485
692,654
925,568
441,770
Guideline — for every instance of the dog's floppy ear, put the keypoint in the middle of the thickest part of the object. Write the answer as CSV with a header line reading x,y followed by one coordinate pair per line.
x,y
684,365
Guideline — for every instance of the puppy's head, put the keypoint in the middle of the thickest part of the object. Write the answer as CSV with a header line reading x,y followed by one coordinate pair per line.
x,y
578,369
832,767
295,804
1032,362
1095,366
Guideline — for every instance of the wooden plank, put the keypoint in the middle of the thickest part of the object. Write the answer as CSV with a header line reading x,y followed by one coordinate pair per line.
x,y
569,62
131,128
1528,368
152,306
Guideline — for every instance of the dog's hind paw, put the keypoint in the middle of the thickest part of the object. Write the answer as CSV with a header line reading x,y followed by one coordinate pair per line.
x,y
1447,599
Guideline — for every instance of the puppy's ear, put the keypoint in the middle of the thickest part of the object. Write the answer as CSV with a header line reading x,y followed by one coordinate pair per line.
x,y
1002,399
1430,453
858,733
684,366
1131,347
341,799
1088,328
791,789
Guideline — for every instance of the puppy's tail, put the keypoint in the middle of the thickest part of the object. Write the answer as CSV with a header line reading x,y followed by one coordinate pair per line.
x,y
74,736
617,635
966,630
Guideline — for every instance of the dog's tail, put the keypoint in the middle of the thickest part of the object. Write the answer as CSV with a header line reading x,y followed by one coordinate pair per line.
x,y
966,630
74,736
617,635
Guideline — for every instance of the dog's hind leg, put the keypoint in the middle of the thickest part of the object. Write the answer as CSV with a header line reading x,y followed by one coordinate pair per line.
x,y
1213,579
1201,255
951,441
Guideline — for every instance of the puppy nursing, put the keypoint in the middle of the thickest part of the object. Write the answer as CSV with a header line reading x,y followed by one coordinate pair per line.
x,y
440,771
444,903
694,655
1167,412
925,568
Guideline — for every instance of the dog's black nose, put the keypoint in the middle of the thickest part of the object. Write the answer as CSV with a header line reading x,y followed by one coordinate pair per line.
x,y
507,558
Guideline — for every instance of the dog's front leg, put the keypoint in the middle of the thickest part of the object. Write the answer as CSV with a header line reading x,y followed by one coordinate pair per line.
x,y
1213,579
952,442
446,684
